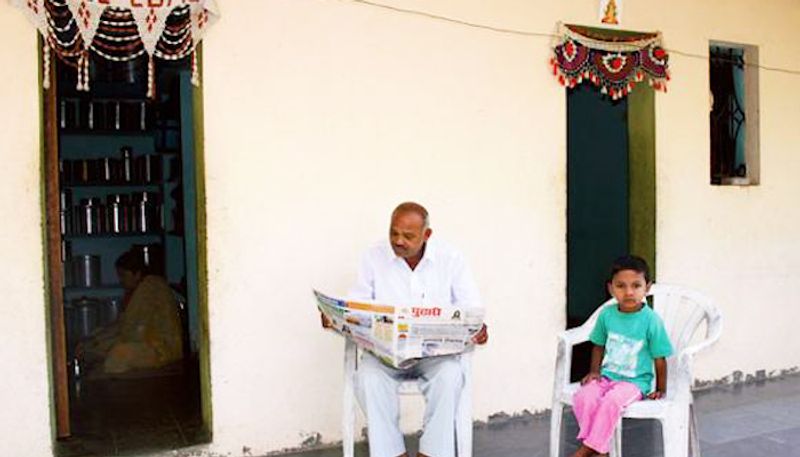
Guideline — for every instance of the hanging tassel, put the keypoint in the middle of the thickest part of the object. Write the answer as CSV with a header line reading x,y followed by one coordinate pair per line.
x,y
86,72
46,65
79,86
83,72
195,69
151,78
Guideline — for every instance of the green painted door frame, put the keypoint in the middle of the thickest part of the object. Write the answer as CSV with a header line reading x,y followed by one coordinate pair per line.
x,y
201,252
642,178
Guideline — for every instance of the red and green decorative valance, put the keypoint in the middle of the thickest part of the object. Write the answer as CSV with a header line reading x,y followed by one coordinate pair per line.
x,y
119,31
611,60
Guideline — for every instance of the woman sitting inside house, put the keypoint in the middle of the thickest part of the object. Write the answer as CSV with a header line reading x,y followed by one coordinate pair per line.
x,y
148,333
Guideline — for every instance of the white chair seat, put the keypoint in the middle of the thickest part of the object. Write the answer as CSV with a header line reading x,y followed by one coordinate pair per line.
x,y
410,387
646,409
568,392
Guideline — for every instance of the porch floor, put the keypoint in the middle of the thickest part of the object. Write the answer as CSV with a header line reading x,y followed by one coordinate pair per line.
x,y
745,419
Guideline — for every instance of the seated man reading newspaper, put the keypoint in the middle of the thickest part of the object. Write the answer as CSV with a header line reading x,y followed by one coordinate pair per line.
x,y
412,270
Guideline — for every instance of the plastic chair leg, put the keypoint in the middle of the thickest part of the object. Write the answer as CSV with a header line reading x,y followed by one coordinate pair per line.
x,y
556,414
616,441
675,432
349,401
694,438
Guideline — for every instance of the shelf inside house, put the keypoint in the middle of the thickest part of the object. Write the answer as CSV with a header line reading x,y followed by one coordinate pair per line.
x,y
114,235
132,186
119,166
102,288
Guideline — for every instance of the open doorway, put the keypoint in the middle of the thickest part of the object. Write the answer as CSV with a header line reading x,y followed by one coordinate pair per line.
x,y
123,178
611,201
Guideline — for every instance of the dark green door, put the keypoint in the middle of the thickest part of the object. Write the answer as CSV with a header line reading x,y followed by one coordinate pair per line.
x,y
597,198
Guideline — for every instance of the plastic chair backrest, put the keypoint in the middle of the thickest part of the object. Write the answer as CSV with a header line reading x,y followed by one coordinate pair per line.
x,y
683,311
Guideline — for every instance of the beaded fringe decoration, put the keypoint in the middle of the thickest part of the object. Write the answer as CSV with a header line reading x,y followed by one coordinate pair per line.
x,y
151,78
119,31
46,65
615,64
195,70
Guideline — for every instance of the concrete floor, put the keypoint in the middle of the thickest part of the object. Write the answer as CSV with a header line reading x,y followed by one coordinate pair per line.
x,y
134,416
752,419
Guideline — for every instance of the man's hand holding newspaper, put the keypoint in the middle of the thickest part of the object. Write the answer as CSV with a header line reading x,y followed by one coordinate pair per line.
x,y
400,335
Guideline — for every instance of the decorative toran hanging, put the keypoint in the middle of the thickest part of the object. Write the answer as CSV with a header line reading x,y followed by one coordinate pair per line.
x,y
120,31
614,63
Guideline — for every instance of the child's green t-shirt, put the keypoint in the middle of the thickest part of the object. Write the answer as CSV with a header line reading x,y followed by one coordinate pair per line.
x,y
631,341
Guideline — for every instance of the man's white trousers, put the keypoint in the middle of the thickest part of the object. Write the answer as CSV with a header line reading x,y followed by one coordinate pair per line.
x,y
440,379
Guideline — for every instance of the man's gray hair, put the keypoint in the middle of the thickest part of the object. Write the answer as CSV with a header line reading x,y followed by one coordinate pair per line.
x,y
412,207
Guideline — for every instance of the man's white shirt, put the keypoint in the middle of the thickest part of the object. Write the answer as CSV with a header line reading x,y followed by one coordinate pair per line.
x,y
442,278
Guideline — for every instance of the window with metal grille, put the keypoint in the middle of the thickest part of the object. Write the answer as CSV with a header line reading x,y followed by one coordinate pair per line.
x,y
734,114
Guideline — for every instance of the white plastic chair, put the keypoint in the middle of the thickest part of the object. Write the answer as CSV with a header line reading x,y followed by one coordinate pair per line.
x,y
463,425
683,311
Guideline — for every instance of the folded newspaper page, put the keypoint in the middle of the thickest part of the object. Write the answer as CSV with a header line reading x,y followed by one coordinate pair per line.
x,y
401,335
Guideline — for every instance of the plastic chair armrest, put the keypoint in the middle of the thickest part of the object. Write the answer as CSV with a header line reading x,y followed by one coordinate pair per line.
x,y
566,340
574,336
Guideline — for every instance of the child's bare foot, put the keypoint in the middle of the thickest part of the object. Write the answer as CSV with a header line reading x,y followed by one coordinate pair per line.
x,y
584,451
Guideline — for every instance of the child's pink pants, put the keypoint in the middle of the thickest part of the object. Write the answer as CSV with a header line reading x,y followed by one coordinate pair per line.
x,y
598,406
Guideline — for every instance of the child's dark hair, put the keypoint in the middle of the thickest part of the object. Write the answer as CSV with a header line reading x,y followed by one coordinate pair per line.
x,y
630,262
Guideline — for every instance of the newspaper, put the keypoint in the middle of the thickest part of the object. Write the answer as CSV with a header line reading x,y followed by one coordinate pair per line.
x,y
401,335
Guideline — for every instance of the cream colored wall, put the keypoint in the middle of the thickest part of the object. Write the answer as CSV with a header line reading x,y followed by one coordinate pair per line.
x,y
346,112
739,244
315,129
24,395
322,115
339,110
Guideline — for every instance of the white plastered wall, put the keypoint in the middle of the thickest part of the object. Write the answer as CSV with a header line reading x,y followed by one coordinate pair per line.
x,y
24,394
314,131
737,244
321,115
347,109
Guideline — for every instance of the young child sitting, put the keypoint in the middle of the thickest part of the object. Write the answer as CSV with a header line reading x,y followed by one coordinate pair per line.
x,y
629,339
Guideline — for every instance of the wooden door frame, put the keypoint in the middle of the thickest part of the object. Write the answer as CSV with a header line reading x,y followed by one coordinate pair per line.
x,y
54,283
